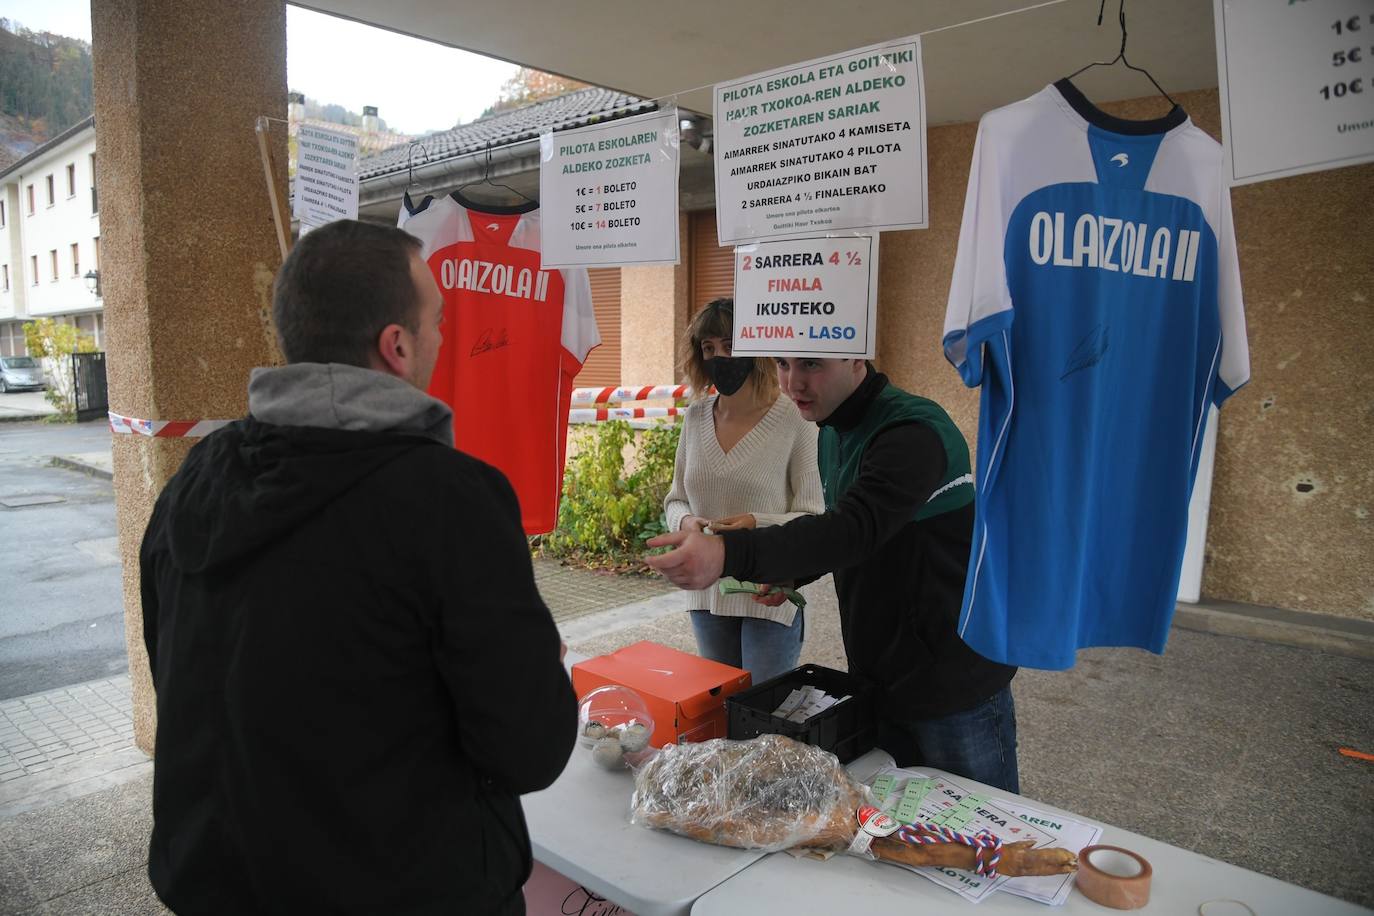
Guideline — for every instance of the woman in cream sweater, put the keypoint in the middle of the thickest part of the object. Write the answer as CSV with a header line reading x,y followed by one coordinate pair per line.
x,y
746,458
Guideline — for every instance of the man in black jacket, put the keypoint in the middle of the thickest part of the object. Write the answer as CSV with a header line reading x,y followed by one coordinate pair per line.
x,y
356,677
896,532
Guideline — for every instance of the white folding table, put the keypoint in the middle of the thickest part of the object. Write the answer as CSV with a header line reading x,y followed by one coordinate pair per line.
x,y
1182,884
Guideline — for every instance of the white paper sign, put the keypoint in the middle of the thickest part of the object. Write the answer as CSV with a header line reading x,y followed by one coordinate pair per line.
x,y
831,145
608,193
1009,819
1297,86
807,297
326,176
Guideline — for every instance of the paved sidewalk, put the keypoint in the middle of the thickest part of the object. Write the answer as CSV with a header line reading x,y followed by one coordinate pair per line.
x,y
24,405
40,731
571,592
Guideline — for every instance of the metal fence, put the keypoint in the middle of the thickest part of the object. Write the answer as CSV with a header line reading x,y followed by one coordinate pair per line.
x,y
92,393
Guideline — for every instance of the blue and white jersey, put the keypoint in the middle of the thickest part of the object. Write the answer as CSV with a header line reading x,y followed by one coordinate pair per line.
x,y
1096,298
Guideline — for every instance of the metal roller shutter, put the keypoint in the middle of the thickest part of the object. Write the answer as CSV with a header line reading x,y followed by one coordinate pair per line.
x,y
713,267
603,364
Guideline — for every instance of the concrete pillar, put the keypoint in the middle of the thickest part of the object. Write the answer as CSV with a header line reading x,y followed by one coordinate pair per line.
x,y
187,246
654,306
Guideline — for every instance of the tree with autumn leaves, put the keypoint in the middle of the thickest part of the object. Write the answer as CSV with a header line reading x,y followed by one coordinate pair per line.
x,y
528,86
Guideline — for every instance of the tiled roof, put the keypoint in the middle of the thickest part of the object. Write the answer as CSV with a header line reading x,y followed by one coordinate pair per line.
x,y
575,109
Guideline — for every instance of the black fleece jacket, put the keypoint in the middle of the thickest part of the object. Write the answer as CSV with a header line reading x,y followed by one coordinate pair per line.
x,y
900,582
356,678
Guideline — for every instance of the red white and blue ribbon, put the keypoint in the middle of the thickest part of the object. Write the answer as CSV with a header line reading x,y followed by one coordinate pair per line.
x,y
164,429
595,411
987,848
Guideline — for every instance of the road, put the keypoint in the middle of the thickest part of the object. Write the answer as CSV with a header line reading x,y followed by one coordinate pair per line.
x,y
61,606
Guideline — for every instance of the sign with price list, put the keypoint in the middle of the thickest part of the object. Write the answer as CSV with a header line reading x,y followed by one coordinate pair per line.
x,y
608,193
835,144
1297,85
807,297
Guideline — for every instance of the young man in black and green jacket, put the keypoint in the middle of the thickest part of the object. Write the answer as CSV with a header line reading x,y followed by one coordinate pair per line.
x,y
896,533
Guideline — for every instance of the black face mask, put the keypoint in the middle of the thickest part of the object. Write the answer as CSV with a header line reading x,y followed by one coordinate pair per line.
x,y
728,373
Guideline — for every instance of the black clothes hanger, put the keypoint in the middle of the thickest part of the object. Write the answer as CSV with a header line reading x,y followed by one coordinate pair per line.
x,y
410,174
486,179
1121,55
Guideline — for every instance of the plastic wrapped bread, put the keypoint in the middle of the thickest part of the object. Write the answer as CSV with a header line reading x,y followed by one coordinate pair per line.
x,y
769,793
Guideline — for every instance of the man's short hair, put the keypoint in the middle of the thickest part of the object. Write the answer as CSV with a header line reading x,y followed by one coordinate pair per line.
x,y
340,286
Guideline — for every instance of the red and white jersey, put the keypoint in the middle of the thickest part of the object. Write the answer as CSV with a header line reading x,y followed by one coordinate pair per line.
x,y
515,336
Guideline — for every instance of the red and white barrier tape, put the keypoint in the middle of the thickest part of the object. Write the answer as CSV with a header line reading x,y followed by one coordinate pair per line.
x,y
585,397
623,413
165,429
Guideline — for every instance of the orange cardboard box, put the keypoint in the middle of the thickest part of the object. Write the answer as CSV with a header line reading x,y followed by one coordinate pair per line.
x,y
685,694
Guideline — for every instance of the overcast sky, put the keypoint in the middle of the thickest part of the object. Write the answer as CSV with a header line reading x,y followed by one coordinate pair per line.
x,y
416,85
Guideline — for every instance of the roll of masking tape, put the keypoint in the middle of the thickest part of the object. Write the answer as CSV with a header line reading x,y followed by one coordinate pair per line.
x,y
1114,877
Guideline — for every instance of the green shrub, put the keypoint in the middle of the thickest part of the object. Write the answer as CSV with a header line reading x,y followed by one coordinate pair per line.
x,y
610,507
54,344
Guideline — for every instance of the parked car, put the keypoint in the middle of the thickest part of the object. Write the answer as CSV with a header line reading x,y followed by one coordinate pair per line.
x,y
21,373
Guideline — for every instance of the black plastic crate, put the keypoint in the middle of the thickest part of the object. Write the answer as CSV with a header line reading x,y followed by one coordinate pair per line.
x,y
846,729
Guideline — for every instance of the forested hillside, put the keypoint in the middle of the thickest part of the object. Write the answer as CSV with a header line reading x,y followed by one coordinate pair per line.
x,y
45,86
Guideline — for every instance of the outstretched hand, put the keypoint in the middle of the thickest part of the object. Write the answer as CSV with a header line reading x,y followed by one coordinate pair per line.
x,y
695,562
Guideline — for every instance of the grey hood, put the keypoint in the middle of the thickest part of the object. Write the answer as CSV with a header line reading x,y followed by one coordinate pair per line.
x,y
338,396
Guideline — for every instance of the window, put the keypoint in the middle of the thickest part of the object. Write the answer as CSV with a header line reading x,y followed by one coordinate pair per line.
x,y
33,268
95,201
30,200
71,180
97,251
2,213
52,197
12,345
53,254
76,260
5,270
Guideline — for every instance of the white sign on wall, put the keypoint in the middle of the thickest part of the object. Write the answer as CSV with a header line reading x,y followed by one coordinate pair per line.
x,y
608,193
807,297
326,176
835,144
1297,86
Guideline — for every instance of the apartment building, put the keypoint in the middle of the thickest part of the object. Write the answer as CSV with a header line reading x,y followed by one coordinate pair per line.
x,y
50,239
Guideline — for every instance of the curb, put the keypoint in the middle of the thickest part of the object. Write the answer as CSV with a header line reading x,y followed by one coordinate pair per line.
x,y
90,470
24,417
1350,637
91,773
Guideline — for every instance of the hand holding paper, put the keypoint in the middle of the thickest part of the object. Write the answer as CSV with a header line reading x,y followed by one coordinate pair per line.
x,y
732,586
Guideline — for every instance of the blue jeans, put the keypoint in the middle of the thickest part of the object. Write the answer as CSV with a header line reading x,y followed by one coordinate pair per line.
x,y
979,743
763,648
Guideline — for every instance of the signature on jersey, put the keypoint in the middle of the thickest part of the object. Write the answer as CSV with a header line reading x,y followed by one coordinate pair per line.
x,y
1088,353
490,340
